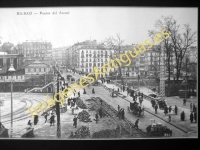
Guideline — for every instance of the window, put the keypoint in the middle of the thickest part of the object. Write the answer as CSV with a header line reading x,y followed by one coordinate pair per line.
x,y
34,69
90,70
44,69
29,69
39,69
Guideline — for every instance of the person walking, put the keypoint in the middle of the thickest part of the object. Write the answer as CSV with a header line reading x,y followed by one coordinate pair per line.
x,y
140,100
166,110
93,91
118,108
176,110
136,123
29,123
45,117
191,117
182,116
75,121
100,112
79,94
84,92
118,90
170,109
52,119
194,108
123,88
156,108
195,117
96,118
123,113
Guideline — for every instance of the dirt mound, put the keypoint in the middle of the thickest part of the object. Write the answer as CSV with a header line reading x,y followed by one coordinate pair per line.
x,y
82,132
80,104
84,116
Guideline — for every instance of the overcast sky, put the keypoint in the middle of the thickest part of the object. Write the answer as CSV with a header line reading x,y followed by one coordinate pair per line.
x,y
84,23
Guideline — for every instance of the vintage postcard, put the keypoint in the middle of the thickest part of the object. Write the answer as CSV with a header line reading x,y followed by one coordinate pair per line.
x,y
95,73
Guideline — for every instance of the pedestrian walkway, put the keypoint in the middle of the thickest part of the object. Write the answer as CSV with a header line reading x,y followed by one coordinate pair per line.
x,y
171,101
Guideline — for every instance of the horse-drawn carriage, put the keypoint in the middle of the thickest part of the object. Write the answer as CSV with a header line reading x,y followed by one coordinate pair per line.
x,y
157,129
136,109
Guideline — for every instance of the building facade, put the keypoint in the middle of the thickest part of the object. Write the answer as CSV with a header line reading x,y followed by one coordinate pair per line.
x,y
33,49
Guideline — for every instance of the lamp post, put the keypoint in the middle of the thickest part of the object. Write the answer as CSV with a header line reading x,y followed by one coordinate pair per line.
x,y
11,69
59,77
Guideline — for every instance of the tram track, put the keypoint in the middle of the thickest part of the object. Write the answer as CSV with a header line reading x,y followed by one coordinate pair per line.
x,y
25,116
109,113
149,99
125,124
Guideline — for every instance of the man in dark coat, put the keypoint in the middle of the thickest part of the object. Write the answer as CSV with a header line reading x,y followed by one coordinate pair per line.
x,y
45,116
176,110
52,120
118,107
156,108
166,110
123,88
84,92
140,100
79,94
195,117
170,109
123,113
75,121
96,118
182,116
93,91
191,117
136,123
194,108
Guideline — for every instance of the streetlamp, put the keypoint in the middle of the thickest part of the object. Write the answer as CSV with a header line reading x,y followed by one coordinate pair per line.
x,y
59,77
11,69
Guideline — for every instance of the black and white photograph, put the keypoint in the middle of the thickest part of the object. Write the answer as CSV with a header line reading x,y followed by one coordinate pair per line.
x,y
98,73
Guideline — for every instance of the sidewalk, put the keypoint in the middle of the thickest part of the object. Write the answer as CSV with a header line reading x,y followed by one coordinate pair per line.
x,y
191,128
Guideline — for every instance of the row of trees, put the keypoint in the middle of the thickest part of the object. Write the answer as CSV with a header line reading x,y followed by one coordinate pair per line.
x,y
177,44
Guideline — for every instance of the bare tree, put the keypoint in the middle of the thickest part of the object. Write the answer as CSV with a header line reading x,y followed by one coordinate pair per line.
x,y
116,45
181,43
177,44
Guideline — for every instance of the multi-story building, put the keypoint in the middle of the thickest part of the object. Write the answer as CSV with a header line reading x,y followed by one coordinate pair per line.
x,y
57,56
33,49
85,55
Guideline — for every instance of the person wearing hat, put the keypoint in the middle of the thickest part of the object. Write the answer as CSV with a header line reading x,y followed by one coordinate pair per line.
x,y
136,123
75,121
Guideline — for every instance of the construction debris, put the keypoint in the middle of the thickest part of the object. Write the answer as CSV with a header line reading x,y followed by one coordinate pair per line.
x,y
108,133
80,104
82,132
84,116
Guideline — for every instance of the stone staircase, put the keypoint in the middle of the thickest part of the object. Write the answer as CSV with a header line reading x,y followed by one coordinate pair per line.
x,y
39,89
